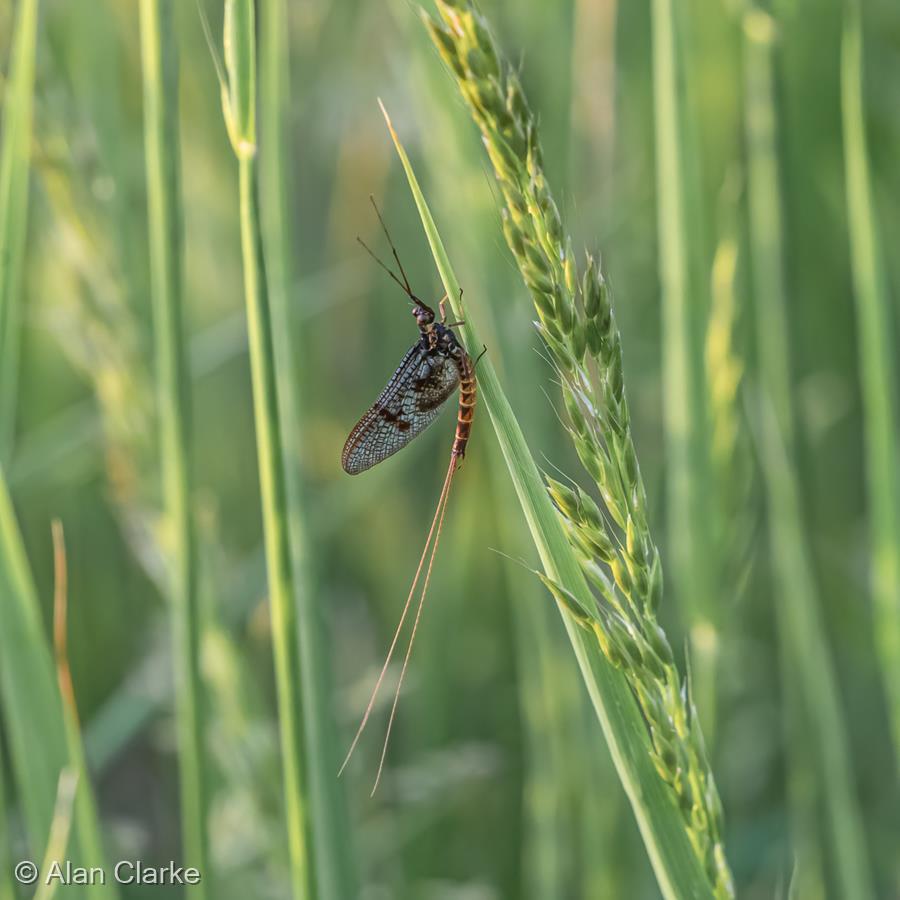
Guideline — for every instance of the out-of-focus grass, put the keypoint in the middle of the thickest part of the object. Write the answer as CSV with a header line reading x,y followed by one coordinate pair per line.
x,y
84,803
7,891
59,835
15,152
878,368
691,522
159,56
805,655
32,713
32,710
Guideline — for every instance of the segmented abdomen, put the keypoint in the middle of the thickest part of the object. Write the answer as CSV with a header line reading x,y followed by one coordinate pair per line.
x,y
467,399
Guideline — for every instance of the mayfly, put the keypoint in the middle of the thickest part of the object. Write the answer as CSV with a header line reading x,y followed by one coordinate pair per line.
x,y
425,380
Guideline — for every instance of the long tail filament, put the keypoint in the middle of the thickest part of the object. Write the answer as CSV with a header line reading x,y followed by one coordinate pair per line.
x,y
434,532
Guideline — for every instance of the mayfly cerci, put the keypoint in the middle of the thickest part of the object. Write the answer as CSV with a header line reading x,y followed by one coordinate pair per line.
x,y
425,380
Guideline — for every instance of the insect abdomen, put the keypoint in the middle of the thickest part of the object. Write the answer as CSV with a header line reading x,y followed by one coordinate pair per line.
x,y
467,399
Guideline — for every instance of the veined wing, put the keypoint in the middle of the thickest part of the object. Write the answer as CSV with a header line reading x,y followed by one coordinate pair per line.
x,y
409,403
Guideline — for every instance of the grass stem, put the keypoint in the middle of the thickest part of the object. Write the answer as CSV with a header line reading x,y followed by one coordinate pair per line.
x,y
330,839
160,74
692,550
15,153
878,367
238,88
275,528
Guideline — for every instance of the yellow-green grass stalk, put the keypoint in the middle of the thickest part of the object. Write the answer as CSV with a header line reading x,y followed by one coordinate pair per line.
x,y
15,153
678,868
335,871
691,525
239,108
159,57
878,368
805,655
84,802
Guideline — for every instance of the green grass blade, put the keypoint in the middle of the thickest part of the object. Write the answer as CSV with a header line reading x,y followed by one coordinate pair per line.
x,y
59,836
84,802
676,866
240,56
15,152
32,710
31,704
330,838
7,891
14,158
804,646
878,367
690,521
160,73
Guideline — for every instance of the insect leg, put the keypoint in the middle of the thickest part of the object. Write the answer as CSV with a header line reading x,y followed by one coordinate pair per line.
x,y
443,308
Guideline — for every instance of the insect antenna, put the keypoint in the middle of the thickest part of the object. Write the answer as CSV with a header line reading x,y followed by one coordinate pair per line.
x,y
387,234
387,269
407,288
435,524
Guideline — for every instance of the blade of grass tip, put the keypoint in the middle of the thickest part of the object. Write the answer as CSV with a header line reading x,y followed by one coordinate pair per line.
x,y
677,868
878,374
801,632
689,514
335,869
15,153
58,837
160,77
85,804
239,108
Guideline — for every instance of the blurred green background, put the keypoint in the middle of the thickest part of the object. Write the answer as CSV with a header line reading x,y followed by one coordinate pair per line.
x,y
498,783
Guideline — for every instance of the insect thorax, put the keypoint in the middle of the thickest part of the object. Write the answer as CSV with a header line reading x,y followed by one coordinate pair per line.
x,y
441,339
